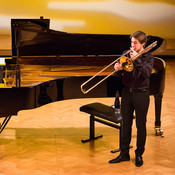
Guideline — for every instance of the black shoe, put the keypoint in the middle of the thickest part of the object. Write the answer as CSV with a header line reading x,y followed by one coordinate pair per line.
x,y
138,161
122,157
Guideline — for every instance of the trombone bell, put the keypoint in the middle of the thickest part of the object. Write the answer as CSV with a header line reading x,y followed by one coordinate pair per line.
x,y
126,63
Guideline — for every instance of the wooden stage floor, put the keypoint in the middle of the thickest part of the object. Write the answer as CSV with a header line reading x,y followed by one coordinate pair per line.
x,y
47,140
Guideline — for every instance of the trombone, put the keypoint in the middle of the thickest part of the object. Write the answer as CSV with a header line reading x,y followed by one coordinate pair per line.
x,y
127,65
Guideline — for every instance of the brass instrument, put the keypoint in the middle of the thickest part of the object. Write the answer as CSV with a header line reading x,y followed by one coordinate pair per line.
x,y
126,63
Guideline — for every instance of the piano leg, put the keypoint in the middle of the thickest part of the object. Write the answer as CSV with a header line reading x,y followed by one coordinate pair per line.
x,y
158,105
4,123
1,74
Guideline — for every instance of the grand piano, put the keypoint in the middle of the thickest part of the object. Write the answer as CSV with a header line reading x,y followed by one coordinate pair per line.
x,y
32,76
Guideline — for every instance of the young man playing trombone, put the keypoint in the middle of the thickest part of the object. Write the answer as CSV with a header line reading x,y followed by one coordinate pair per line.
x,y
135,97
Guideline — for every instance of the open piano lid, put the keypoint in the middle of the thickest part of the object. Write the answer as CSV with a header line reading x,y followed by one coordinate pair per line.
x,y
34,38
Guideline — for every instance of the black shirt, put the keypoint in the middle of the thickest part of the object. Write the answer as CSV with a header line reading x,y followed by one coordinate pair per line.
x,y
139,78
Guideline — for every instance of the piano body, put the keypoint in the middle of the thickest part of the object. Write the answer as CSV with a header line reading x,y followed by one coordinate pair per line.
x,y
33,75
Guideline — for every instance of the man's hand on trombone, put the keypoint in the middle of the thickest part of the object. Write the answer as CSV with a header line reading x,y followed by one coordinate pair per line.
x,y
133,53
118,67
125,60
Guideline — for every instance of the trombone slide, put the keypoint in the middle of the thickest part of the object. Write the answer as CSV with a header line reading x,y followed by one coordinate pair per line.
x,y
126,63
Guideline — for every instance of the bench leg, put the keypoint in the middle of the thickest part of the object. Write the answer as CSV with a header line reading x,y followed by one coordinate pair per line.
x,y
119,149
92,131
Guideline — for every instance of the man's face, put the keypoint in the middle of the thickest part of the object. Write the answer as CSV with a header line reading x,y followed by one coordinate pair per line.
x,y
136,45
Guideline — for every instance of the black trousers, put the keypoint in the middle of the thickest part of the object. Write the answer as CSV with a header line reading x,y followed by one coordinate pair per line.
x,y
137,101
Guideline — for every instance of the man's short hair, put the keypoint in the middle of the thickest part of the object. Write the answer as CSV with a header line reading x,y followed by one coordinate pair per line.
x,y
141,36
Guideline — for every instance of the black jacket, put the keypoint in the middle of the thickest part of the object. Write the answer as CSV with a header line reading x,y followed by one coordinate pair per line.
x,y
139,78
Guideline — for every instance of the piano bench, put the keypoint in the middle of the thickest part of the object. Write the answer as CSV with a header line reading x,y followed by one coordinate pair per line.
x,y
104,114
